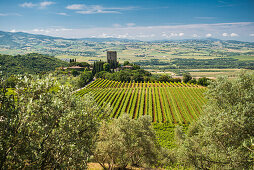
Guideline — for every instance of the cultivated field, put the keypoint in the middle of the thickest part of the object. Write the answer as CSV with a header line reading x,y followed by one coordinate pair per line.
x,y
173,103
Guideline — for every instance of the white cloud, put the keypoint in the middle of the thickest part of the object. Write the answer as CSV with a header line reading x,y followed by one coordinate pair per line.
x,y
173,34
195,35
252,35
208,35
76,6
50,30
130,24
181,34
161,32
123,36
97,9
28,5
13,30
225,34
2,14
9,14
97,12
234,35
116,25
45,4
62,13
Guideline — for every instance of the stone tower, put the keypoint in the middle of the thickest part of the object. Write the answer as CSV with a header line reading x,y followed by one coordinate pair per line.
x,y
112,58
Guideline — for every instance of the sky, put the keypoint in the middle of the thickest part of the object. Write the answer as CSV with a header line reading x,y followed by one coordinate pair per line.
x,y
131,19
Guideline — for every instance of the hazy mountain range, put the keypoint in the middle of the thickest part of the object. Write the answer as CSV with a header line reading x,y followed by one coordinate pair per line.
x,y
21,39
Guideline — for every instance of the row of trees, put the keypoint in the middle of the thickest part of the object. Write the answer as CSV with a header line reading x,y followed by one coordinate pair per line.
x,y
127,75
201,81
186,79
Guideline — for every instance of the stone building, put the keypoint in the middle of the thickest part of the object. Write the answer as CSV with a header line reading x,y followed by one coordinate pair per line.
x,y
112,59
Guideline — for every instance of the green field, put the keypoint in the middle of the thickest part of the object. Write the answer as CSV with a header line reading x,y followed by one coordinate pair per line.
x,y
172,103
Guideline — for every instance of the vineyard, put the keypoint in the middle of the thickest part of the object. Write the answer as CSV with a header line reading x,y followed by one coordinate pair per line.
x,y
174,103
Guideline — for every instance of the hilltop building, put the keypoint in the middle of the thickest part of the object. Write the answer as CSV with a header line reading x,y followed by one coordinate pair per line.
x,y
112,59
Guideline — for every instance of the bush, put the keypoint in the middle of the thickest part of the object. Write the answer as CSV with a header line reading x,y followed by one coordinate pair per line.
x,y
85,78
203,81
75,73
126,141
186,77
224,137
164,78
41,128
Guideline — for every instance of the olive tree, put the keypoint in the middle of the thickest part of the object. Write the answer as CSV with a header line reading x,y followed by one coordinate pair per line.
x,y
46,127
126,141
186,77
223,138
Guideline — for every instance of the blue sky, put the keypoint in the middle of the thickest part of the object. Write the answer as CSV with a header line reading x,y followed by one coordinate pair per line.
x,y
132,19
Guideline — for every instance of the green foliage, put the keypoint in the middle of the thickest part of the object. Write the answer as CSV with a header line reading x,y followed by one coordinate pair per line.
x,y
11,81
45,129
186,77
223,137
85,78
203,81
125,63
125,141
75,73
164,78
191,63
194,81
135,67
97,67
106,67
165,134
80,64
125,75
32,63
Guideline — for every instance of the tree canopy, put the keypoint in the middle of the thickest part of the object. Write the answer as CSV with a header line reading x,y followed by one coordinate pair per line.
x,y
44,127
224,137
32,63
126,141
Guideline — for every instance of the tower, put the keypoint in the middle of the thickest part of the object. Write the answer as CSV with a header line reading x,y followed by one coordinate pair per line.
x,y
112,58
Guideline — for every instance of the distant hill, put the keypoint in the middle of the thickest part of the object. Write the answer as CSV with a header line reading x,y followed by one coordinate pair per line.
x,y
30,63
108,39
21,40
92,49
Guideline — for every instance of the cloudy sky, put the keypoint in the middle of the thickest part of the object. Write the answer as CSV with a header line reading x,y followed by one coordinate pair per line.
x,y
131,19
